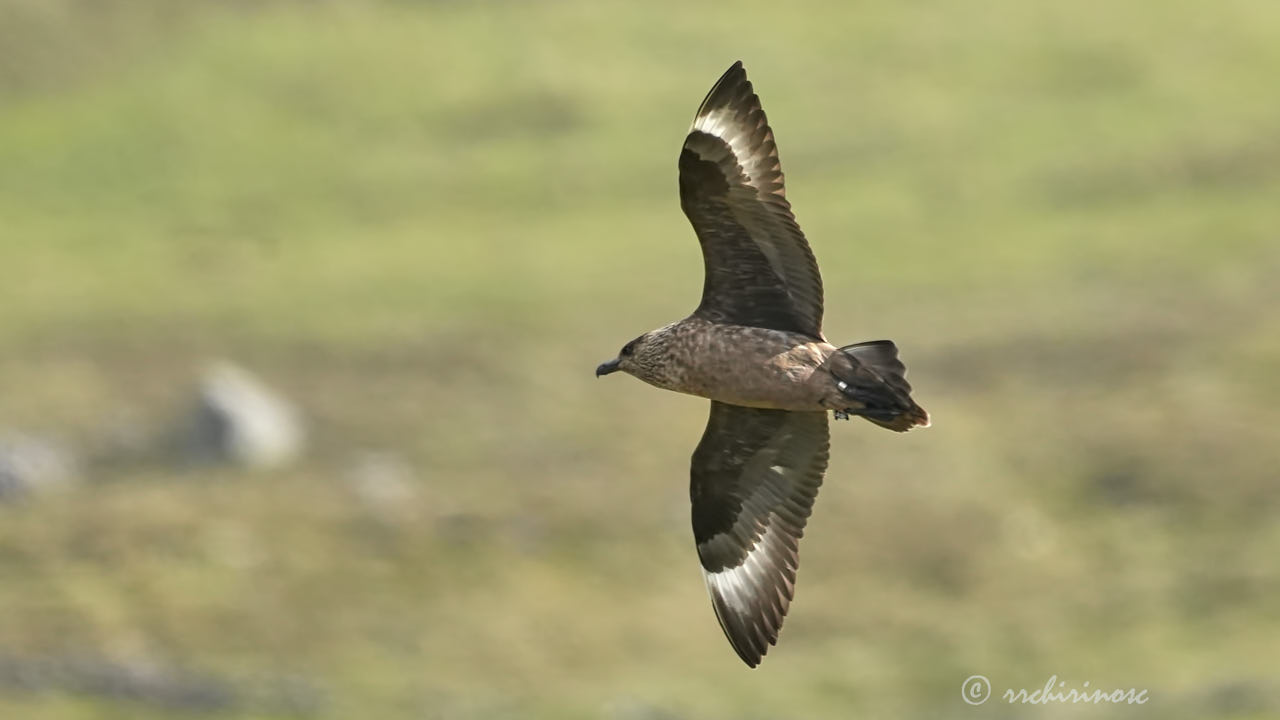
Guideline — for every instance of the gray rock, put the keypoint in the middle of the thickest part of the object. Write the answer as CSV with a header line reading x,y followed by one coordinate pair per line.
x,y
239,420
31,464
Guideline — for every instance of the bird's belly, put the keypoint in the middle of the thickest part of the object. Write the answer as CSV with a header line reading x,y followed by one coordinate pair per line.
x,y
778,381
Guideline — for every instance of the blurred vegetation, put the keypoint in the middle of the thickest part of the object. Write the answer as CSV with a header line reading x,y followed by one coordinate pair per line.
x,y
426,222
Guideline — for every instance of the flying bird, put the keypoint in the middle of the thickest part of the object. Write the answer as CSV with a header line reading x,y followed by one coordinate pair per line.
x,y
754,347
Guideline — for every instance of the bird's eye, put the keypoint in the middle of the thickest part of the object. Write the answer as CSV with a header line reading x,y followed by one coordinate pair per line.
x,y
629,348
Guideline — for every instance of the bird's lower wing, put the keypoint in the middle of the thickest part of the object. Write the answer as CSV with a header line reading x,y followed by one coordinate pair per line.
x,y
754,478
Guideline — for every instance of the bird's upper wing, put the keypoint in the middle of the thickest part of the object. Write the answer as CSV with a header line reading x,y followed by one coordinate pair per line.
x,y
759,268
754,479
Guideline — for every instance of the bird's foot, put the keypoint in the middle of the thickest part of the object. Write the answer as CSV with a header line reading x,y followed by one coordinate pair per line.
x,y
840,414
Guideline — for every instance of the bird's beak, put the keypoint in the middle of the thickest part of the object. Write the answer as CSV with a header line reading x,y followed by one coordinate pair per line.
x,y
606,368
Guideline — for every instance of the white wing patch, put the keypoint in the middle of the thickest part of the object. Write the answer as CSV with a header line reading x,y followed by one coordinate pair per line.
x,y
721,124
759,588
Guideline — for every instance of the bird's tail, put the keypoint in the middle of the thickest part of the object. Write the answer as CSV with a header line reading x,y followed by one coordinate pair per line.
x,y
875,383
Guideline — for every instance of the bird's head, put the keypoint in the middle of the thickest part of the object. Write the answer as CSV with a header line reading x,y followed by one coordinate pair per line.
x,y
642,358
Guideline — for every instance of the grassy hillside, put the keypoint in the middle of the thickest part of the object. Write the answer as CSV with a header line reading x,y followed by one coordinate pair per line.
x,y
426,223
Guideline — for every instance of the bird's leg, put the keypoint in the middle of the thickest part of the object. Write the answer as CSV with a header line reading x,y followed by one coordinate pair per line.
x,y
840,414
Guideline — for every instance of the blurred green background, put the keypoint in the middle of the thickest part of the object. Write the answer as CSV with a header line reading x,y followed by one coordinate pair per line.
x,y
425,223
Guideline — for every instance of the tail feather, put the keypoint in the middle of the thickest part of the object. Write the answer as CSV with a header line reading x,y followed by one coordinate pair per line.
x,y
875,381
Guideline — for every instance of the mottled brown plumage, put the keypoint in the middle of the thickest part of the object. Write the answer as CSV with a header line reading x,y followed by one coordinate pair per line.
x,y
754,347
